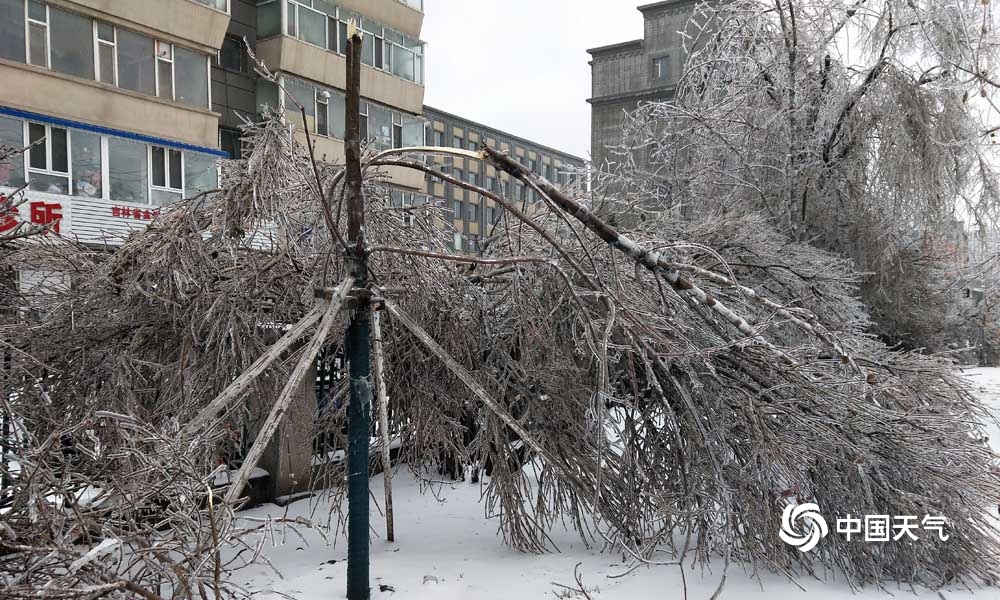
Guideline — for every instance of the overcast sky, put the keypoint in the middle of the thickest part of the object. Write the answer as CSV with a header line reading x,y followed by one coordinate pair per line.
x,y
521,65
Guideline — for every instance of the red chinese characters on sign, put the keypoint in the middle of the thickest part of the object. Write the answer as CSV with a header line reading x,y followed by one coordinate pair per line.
x,y
127,212
46,214
8,216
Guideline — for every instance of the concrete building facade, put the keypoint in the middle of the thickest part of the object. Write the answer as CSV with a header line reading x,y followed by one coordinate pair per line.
x,y
472,216
114,100
627,74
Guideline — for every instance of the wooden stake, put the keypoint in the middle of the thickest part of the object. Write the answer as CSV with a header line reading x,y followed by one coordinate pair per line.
x,y
383,422
463,374
291,386
241,383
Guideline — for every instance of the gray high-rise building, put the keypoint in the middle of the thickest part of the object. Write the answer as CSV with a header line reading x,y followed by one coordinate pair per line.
x,y
627,74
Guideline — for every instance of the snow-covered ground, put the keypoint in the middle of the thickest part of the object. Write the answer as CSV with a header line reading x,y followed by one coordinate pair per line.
x,y
445,549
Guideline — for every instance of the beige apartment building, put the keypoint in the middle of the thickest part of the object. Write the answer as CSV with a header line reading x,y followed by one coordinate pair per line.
x,y
305,42
114,99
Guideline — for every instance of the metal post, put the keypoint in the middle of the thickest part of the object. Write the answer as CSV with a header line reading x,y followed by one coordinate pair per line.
x,y
358,343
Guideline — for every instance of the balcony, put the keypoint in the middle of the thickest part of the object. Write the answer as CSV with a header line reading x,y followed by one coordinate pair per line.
x,y
47,92
401,15
290,55
184,20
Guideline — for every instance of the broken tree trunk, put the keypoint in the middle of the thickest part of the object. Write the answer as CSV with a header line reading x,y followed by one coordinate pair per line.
x,y
281,405
383,422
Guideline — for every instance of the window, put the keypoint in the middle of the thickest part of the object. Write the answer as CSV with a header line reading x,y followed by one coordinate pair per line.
x,y
532,165
230,142
311,25
380,126
191,77
379,62
88,177
342,37
473,241
491,215
491,184
456,142
472,211
397,130
200,173
322,112
439,138
404,63
291,20
232,55
107,63
222,5
164,70
268,18
72,42
364,120
473,178
12,30
299,93
136,62
456,209
457,241
472,146
12,135
128,170
48,159
458,174
166,169
38,34
368,49
338,115
413,131
661,68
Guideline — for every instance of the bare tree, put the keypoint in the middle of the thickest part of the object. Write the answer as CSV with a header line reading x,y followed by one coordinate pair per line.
x,y
865,127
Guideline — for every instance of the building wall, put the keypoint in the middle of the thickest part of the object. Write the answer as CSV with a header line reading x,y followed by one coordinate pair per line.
x,y
627,74
115,100
312,65
473,216
234,90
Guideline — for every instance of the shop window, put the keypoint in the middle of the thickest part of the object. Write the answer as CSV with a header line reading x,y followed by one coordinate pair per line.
x,y
127,165
48,159
87,164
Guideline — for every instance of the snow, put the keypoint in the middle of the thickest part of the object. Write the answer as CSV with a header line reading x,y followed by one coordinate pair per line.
x,y
224,477
446,537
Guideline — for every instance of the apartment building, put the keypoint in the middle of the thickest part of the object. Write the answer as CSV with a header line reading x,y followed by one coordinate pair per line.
x,y
626,74
472,215
114,100
304,42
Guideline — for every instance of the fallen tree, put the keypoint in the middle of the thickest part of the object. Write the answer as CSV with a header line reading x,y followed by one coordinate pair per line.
x,y
680,381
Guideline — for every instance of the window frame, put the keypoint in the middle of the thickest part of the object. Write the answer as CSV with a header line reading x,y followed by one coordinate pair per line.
x,y
28,22
157,59
48,170
98,42
322,98
166,172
